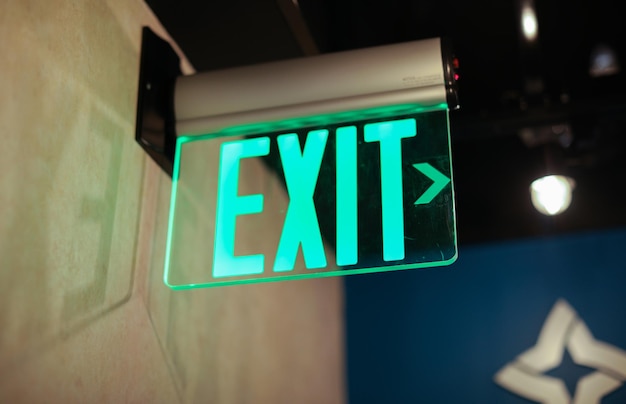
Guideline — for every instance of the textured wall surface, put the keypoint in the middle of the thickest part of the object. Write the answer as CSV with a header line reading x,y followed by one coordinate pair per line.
x,y
84,314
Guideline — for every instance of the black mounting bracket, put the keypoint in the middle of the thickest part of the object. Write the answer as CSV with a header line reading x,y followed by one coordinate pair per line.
x,y
155,127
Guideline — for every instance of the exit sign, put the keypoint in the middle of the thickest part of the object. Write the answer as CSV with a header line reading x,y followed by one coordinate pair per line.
x,y
264,204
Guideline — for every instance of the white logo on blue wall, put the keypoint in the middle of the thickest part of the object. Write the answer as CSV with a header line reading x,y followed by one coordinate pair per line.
x,y
563,329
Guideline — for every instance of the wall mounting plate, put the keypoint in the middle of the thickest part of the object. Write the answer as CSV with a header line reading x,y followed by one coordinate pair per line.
x,y
155,126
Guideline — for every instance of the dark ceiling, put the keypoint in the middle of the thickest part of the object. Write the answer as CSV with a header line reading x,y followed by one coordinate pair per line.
x,y
507,88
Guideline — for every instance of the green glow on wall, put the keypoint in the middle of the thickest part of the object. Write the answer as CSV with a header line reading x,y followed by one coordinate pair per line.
x,y
390,135
347,207
301,226
356,185
229,206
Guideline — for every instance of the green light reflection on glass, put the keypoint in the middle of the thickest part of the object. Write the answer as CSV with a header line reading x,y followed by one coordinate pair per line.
x,y
319,120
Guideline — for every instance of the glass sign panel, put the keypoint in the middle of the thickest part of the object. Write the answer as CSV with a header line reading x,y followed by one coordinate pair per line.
x,y
259,204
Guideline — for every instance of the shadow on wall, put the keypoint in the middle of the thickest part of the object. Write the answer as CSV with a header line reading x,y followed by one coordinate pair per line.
x,y
71,177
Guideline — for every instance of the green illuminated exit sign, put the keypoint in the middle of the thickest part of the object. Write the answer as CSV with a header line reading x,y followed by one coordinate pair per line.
x,y
321,200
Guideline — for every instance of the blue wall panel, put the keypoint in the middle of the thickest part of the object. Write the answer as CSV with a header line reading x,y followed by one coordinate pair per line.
x,y
440,335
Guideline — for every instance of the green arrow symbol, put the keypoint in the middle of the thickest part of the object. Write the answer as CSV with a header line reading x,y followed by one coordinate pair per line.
x,y
439,182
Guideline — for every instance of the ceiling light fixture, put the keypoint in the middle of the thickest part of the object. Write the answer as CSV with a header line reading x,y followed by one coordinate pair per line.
x,y
604,61
552,194
551,190
529,21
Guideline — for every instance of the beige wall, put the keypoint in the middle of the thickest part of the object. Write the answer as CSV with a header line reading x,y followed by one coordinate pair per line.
x,y
84,314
